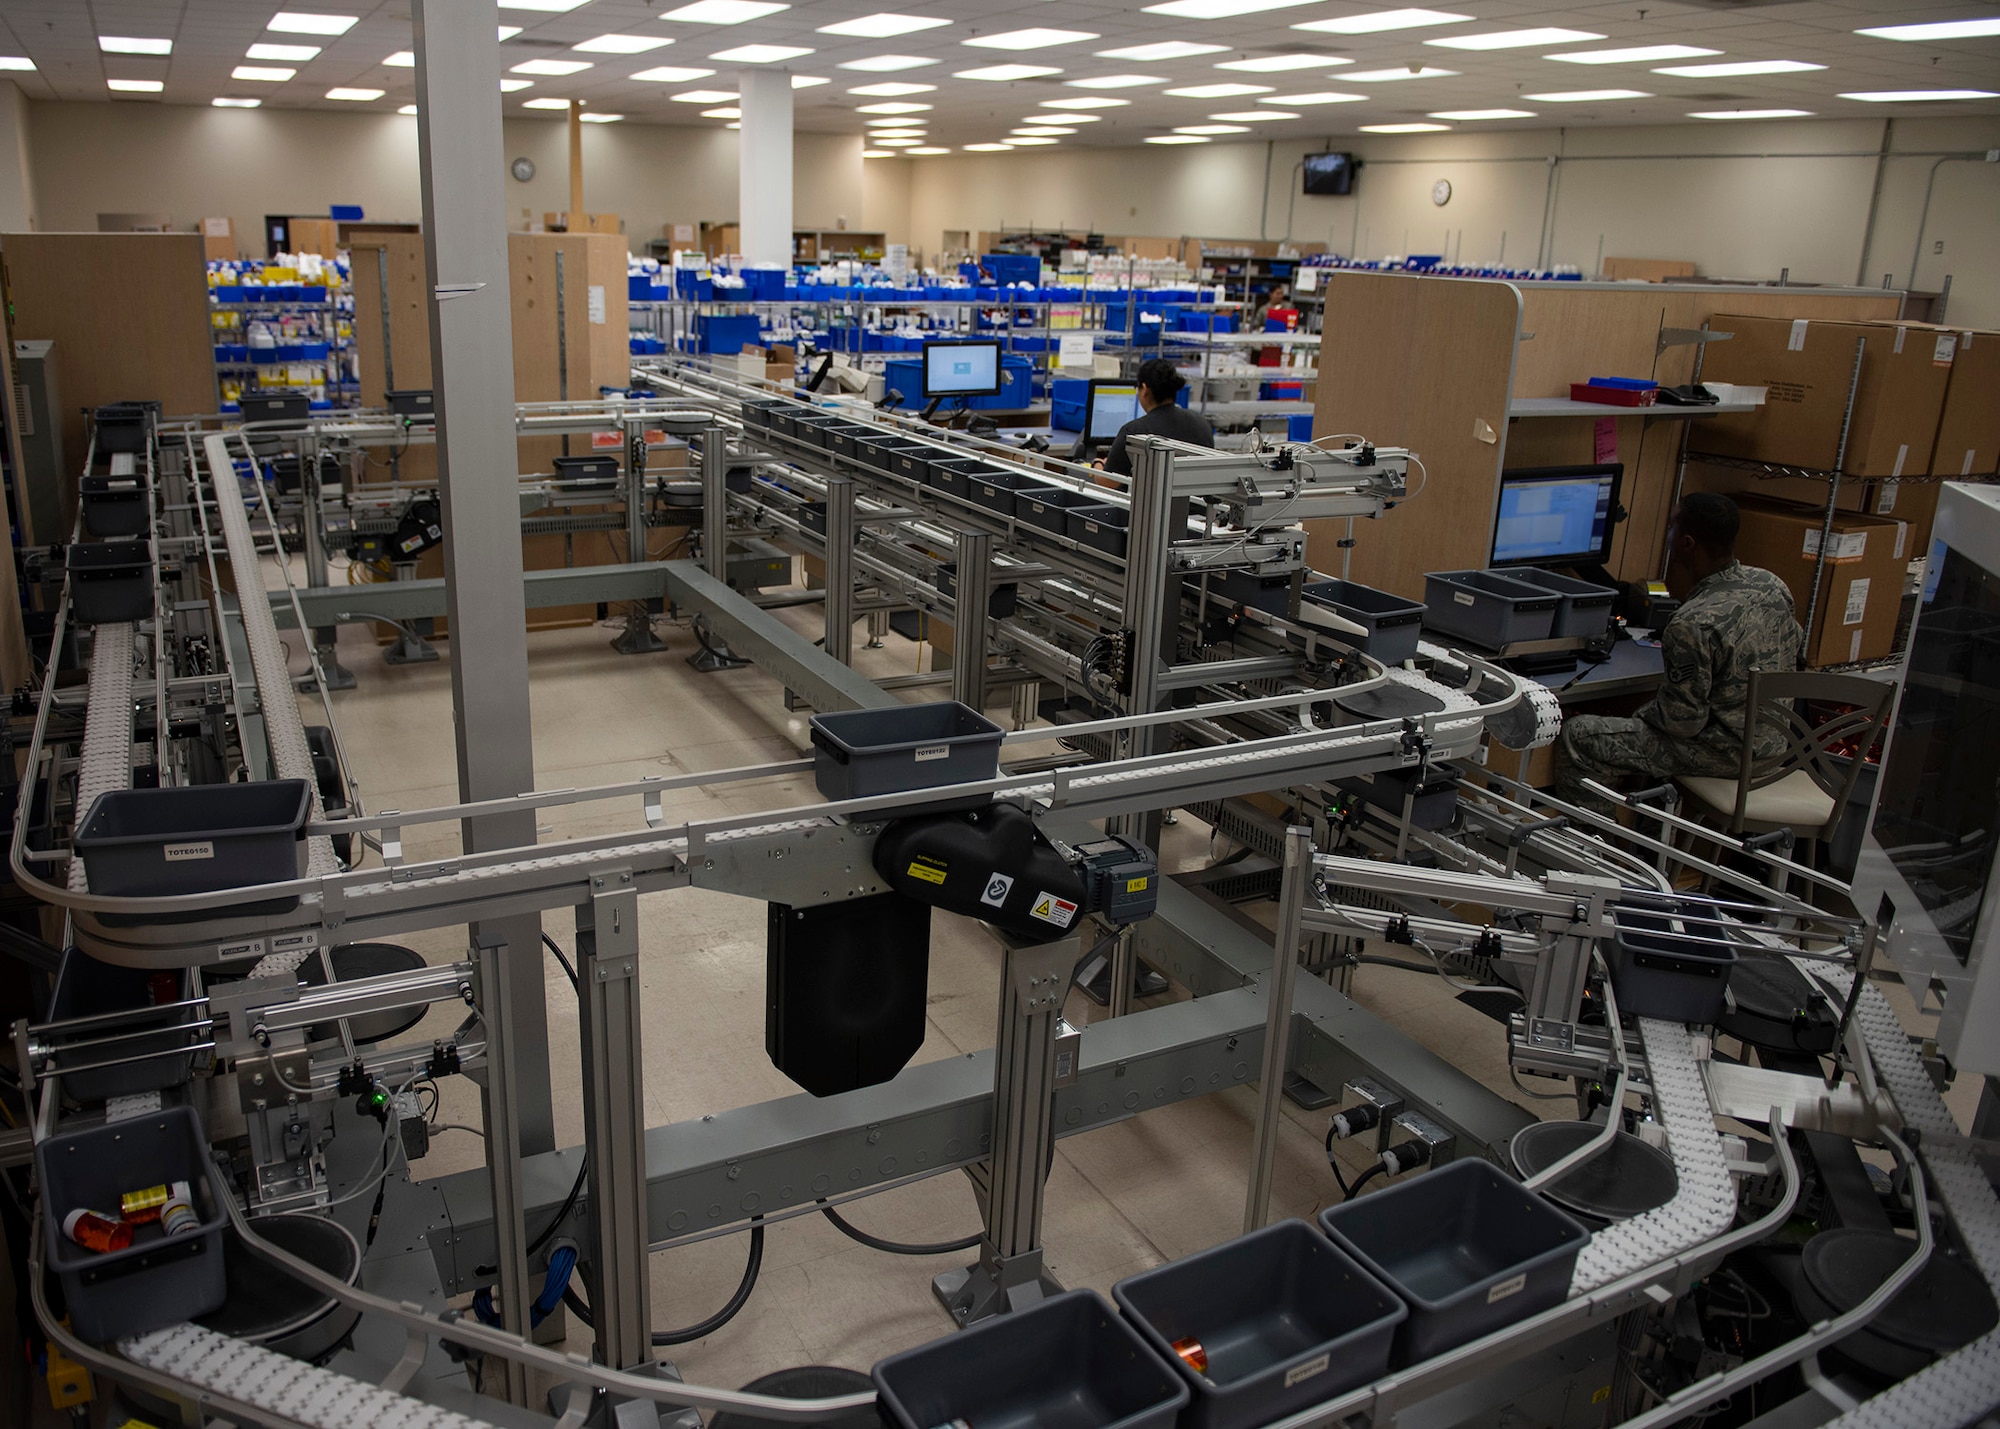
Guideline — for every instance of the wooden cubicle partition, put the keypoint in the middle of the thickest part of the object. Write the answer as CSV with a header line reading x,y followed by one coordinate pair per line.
x,y
1420,362
1646,270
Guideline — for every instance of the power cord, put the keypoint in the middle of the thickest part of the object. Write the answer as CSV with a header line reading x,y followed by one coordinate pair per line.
x,y
752,1265
893,1247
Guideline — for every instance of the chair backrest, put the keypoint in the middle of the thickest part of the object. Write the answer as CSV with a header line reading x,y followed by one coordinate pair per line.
x,y
1830,753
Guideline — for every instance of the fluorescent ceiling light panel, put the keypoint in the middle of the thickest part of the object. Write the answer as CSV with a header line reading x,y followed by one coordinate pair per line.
x,y
1253,116
353,95
20,63
1034,39
1018,141
1060,118
130,45
1116,81
807,81
1390,76
1176,139
1276,64
592,117
880,154
621,44
1041,132
1100,102
1633,55
889,89
1219,9
1515,39
1383,20
1752,114
135,86
305,22
1405,128
703,96
888,64
1163,50
1914,96
899,132
507,32
514,86
545,104
1004,74
407,109
262,73
723,12
734,124
671,74
728,111
876,121
297,53
927,151
895,106
1937,30
1323,96
553,6
1586,96
882,25
1737,67
1218,91
898,143
987,148
1211,129
402,59
1474,114
222,103
759,54
550,67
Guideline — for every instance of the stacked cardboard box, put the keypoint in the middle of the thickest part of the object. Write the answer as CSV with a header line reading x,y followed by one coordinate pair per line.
x,y
1860,583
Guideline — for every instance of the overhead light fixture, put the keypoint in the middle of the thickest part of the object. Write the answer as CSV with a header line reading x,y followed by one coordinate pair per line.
x,y
299,53
1253,116
1515,39
734,124
557,68
402,59
1405,128
1936,30
1917,96
1382,21
927,150
353,95
880,154
987,148
898,143
262,74
1006,74
1636,54
407,109
128,45
1323,96
889,89
220,102
671,74
1041,131
507,32
705,96
545,104
552,6
304,22
1060,118
759,54
1219,9
897,132
19,64
1739,67
807,81
894,106
515,86
1177,139
1469,115
592,116
1751,114
1390,76
888,64
1211,129
1277,64
621,44
135,86
1116,81
889,122
1031,39
1099,102
1019,141
723,12
1218,91
1586,96
1162,50
728,111
882,25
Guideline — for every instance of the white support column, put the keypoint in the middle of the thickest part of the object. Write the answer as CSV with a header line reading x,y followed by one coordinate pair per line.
x,y
17,183
764,165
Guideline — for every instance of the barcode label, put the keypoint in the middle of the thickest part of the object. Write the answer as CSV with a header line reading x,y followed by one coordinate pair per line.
x,y
1847,546
1857,603
1946,349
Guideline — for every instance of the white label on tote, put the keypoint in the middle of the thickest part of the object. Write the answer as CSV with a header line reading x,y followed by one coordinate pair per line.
x,y
184,853
927,752
1307,1370
1462,598
1857,602
1509,1287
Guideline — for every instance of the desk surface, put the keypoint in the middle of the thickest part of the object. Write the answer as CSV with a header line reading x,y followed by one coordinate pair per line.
x,y
1632,669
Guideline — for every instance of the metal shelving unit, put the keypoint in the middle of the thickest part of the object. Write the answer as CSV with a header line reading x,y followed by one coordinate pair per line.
x,y
317,323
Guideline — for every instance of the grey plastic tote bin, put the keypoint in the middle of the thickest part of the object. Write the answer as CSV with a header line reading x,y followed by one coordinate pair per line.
x,y
994,489
912,461
110,581
121,427
115,506
858,754
1394,625
1488,609
1103,528
1659,970
1467,1248
86,987
954,474
1047,508
1585,611
159,1279
1068,1362
198,838
1001,600
1267,593
1287,1318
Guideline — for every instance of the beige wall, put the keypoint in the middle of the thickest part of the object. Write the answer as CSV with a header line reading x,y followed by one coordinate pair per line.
x,y
17,186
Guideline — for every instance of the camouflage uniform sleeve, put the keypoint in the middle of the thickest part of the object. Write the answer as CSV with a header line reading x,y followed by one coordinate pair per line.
x,y
1681,709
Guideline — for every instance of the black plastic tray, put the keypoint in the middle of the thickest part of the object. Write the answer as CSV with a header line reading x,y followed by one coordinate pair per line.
x,y
110,581
1100,527
86,987
1658,970
115,506
1047,507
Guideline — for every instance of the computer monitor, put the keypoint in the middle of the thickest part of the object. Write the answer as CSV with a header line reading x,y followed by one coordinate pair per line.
x,y
961,369
1112,404
1556,515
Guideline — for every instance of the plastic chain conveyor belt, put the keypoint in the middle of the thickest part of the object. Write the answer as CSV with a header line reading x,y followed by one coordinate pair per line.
x,y
1964,1385
290,1389
106,763
1705,1205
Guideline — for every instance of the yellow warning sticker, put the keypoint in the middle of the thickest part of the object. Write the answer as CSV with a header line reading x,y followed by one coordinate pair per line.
x,y
1136,885
1601,1395
927,873
1051,909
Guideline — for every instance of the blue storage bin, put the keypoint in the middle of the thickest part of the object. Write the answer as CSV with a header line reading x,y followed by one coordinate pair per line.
x,y
311,295
639,287
1204,322
1012,267
313,351
764,284
230,294
726,333
1282,392
1299,427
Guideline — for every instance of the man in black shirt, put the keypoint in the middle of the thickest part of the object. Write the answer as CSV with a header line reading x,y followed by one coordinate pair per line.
x,y
1160,416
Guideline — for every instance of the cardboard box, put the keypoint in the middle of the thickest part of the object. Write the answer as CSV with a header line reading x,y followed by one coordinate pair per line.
x,y
218,237
1861,583
1809,368
1968,439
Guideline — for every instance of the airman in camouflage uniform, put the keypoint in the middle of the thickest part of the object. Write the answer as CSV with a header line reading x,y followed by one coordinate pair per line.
x,y
1733,619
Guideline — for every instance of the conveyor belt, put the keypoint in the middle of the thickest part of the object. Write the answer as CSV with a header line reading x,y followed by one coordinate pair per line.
x,y
107,728
1965,1385
288,1388
1705,1205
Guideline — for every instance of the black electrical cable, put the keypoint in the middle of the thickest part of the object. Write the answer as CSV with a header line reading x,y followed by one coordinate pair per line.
x,y
752,1265
894,1247
1334,1165
1378,1169
563,959
576,1186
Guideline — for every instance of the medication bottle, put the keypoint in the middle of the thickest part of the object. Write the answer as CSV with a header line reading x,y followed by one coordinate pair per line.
x,y
178,1216
94,1232
141,1207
